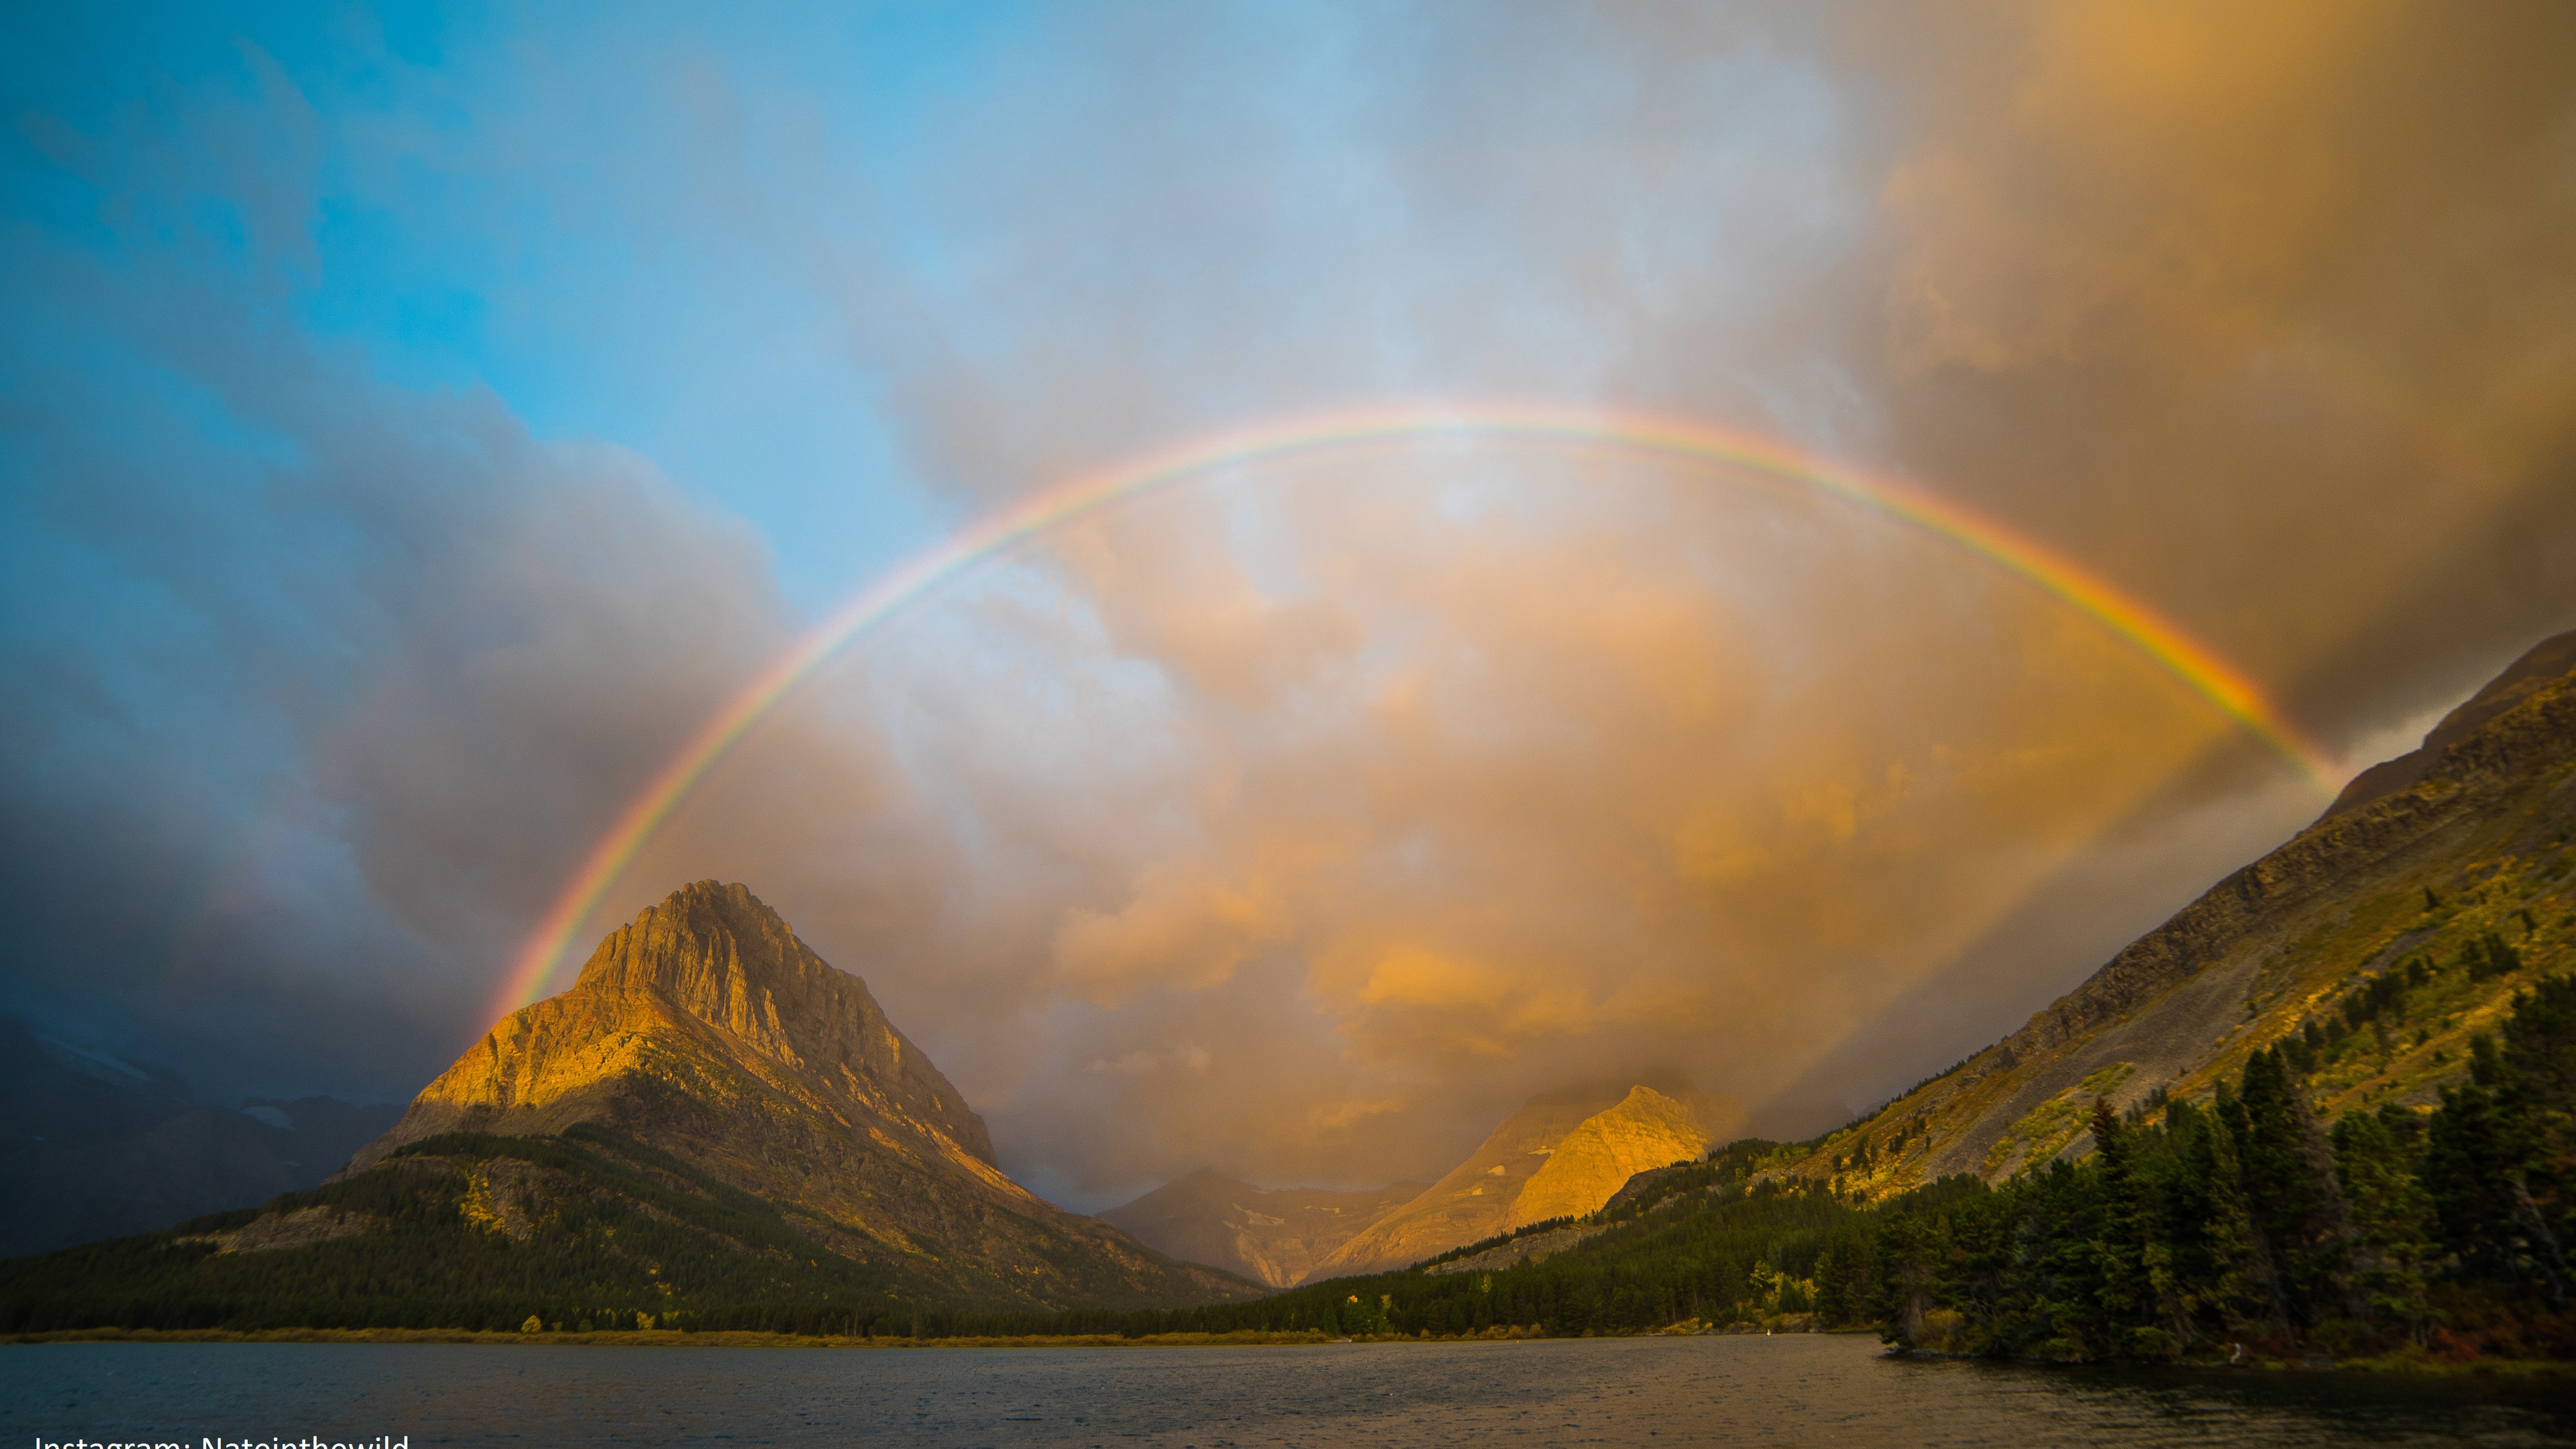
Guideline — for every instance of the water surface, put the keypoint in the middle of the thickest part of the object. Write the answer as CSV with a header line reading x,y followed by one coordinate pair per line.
x,y
1787,1390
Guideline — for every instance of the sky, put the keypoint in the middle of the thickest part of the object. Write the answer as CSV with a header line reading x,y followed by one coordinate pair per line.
x,y
416,423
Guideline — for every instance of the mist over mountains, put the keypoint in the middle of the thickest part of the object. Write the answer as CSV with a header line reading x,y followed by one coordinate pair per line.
x,y
95,1147
1273,1235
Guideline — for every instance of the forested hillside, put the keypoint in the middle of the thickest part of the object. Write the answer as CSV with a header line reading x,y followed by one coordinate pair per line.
x,y
2191,1230
570,1233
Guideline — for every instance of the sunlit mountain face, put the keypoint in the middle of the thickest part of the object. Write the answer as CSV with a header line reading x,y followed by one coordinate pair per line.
x,y
1281,582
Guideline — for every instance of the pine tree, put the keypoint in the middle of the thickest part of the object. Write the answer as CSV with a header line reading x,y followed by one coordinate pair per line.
x,y
2394,1232
2290,1192
2222,1272
2472,1164
2130,1252
2497,1153
2540,1045
2063,1265
1910,1248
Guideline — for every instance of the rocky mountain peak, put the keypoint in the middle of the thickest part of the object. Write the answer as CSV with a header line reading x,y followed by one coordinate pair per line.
x,y
1645,1130
706,1029
709,992
717,953
1563,1154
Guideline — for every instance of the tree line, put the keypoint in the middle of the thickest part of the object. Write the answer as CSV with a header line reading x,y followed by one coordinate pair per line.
x,y
2249,1221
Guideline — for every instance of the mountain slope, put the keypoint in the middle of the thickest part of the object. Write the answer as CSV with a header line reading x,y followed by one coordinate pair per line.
x,y
1611,1137
707,1030
2540,666
1271,1235
584,1230
2381,939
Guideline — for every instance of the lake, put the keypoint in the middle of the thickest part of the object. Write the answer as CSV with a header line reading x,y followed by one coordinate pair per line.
x,y
1807,1389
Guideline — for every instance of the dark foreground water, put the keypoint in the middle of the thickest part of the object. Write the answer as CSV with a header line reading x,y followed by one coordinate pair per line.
x,y
1788,1390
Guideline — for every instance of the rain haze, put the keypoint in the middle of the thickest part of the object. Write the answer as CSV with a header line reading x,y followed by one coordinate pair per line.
x,y
417,425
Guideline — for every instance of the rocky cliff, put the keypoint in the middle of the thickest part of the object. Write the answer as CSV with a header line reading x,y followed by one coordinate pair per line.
x,y
706,1029
1604,1136
1271,1235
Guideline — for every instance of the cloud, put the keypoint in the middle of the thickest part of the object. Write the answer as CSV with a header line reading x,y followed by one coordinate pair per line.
x,y
1177,929
1306,818
316,682
1556,765
2240,303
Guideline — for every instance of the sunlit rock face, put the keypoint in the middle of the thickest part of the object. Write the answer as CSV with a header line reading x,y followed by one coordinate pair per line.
x,y
1515,1178
707,1029
1272,1235
1598,1157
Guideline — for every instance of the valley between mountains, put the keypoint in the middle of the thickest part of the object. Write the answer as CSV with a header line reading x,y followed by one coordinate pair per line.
x,y
716,1128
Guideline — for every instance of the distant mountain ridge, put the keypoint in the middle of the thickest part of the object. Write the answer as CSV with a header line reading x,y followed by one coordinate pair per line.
x,y
706,1029
94,1147
1603,1135
1271,1235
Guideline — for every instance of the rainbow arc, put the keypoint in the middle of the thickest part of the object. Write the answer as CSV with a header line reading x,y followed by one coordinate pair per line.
x,y
1740,457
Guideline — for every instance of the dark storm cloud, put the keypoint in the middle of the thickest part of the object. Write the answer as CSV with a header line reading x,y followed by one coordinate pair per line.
x,y
314,683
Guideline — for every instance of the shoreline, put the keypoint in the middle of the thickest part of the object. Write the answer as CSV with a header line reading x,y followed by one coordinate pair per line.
x,y
662,1338
2408,1366
2390,1365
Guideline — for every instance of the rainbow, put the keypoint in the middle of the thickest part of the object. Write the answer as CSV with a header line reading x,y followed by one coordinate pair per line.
x,y
1750,459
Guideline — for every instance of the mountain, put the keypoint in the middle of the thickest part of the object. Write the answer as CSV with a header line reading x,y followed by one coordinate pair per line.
x,y
2374,945
571,1232
1272,1235
2327,1111
2242,1231
2543,665
1591,1163
706,1030
1603,1137
92,1146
